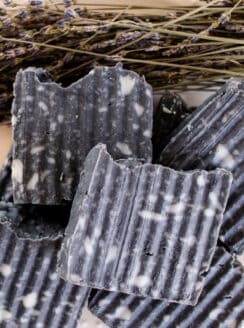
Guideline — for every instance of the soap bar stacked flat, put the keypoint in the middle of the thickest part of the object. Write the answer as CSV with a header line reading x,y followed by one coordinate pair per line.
x,y
86,212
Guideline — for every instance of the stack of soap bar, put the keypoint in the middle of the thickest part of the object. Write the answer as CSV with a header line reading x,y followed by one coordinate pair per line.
x,y
54,128
220,304
212,136
31,292
143,229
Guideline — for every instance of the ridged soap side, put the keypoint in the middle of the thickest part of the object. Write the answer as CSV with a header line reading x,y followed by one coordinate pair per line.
x,y
55,128
144,229
220,304
213,136
6,189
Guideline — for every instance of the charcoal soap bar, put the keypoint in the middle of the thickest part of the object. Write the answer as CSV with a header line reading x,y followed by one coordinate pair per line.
x,y
55,127
213,136
220,304
143,229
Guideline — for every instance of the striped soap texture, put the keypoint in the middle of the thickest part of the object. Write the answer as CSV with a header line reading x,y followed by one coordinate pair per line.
x,y
31,292
213,136
144,229
220,304
6,189
55,127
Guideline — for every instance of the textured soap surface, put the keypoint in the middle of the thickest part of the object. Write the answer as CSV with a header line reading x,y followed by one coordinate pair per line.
x,y
145,229
213,136
55,127
220,304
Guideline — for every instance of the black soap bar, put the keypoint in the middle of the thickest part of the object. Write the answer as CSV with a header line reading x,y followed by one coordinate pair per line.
x,y
220,304
170,111
55,127
143,229
6,188
31,292
213,136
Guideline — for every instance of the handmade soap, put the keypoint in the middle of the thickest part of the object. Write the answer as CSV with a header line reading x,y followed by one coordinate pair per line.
x,y
213,136
170,111
220,304
55,127
31,292
143,229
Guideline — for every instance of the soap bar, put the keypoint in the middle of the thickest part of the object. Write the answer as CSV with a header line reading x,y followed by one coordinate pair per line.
x,y
6,188
31,292
144,229
170,111
213,136
220,304
55,128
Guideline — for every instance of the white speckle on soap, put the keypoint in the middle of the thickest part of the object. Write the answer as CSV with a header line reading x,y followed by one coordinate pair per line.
x,y
75,278
200,181
103,302
127,83
149,93
44,174
43,106
103,109
177,208
152,198
213,315
29,300
51,160
13,120
148,215
68,154
4,315
33,182
112,253
5,270
199,285
135,126
141,281
121,312
209,212
60,118
53,126
189,240
88,245
124,148
37,150
139,109
29,98
39,325
53,276
17,170
223,157
147,134
40,88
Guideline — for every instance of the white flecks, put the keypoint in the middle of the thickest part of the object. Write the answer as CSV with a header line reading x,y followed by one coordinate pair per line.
x,y
97,232
223,157
4,315
189,240
68,154
191,270
53,276
209,212
37,150
88,245
103,302
103,109
51,160
152,198
112,253
121,312
165,318
135,126
199,285
141,281
148,215
13,120
149,93
40,88
39,325
44,174
213,315
177,208
139,109
147,133
30,300
75,278
5,270
60,118
127,83
201,181
29,98
168,197
17,170
43,106
33,182
53,126
124,148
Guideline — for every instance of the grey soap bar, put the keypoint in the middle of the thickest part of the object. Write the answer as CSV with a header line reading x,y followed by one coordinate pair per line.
x,y
220,304
213,136
145,229
170,112
31,292
6,188
55,127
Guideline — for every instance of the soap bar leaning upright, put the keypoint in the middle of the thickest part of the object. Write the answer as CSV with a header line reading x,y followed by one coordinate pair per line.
x,y
55,128
143,229
211,137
